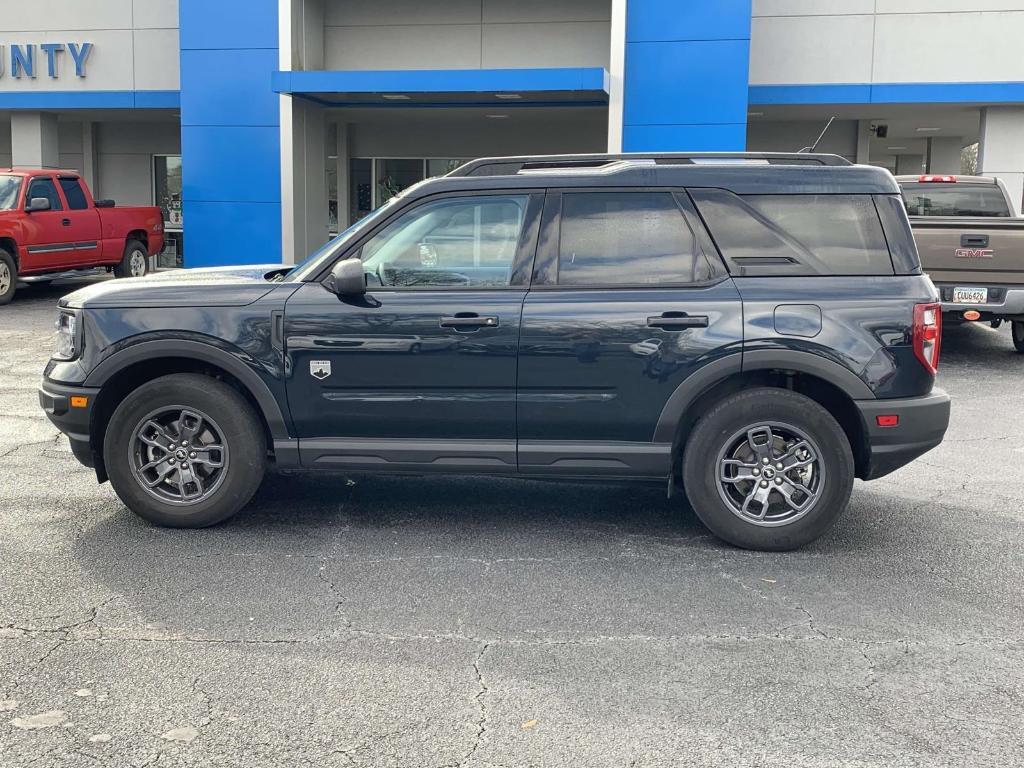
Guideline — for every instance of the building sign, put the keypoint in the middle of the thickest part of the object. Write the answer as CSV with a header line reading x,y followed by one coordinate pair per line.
x,y
30,60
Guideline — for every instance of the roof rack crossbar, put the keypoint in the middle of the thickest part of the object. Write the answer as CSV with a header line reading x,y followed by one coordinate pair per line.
x,y
507,166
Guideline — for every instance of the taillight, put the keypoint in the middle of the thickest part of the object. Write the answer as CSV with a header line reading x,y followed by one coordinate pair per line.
x,y
932,179
928,334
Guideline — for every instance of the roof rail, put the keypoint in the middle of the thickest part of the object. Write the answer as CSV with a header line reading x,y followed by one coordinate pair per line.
x,y
510,166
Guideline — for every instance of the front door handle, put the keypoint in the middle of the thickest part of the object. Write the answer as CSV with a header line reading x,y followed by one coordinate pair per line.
x,y
469,321
677,321
65,222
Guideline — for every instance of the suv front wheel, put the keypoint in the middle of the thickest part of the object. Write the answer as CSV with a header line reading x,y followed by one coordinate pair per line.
x,y
768,469
185,451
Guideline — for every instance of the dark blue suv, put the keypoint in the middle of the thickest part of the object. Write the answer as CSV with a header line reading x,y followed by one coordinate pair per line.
x,y
753,329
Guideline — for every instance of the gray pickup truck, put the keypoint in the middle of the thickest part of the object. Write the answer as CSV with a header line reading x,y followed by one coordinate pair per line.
x,y
971,243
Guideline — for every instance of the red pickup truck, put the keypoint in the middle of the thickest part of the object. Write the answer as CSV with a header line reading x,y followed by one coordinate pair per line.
x,y
50,224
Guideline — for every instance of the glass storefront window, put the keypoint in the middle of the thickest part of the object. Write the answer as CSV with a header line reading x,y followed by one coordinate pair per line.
x,y
167,195
394,175
360,193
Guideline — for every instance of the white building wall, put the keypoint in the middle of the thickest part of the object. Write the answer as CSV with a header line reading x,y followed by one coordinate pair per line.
x,y
466,34
135,43
124,158
886,41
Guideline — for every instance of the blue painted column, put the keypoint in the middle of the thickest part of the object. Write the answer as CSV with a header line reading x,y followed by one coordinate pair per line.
x,y
686,75
230,134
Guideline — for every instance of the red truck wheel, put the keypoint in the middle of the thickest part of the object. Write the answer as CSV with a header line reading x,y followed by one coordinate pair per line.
x,y
135,262
8,277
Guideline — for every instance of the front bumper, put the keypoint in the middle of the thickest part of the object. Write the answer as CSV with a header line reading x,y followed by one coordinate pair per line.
x,y
1010,301
922,425
74,422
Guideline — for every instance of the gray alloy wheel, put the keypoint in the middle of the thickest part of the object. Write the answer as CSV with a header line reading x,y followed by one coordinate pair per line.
x,y
5,278
770,474
178,455
137,262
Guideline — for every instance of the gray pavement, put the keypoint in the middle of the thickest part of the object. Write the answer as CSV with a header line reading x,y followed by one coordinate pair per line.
x,y
466,622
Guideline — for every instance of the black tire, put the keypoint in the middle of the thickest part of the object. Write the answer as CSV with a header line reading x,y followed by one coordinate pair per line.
x,y
726,422
132,250
8,284
227,410
1017,330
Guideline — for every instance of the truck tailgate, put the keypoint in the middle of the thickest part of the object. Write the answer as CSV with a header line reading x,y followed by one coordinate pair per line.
x,y
971,250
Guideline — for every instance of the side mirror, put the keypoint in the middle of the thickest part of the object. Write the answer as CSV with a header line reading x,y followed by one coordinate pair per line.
x,y
38,204
348,278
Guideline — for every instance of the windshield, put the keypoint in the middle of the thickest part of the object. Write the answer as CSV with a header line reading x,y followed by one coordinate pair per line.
x,y
9,186
312,264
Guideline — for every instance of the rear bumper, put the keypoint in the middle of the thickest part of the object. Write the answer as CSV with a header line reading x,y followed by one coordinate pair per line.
x,y
922,425
1011,302
55,400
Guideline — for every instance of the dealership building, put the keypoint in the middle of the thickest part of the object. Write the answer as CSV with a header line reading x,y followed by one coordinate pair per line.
x,y
261,127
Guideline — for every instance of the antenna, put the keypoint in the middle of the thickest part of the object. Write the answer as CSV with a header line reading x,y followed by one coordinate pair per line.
x,y
821,136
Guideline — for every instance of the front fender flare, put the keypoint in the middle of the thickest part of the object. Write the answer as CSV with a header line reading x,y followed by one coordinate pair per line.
x,y
196,350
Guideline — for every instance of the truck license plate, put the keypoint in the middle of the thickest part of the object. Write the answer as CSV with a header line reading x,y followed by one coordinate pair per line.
x,y
970,295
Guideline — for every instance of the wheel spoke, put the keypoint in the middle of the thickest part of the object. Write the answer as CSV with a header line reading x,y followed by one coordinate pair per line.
x,y
760,441
742,471
154,435
760,495
204,456
789,488
161,475
187,477
189,425
791,459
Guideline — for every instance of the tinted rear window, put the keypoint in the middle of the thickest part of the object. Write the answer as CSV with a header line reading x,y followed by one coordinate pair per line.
x,y
796,234
74,194
625,238
957,199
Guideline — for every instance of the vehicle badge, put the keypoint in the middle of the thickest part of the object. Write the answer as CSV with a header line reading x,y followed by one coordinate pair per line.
x,y
320,369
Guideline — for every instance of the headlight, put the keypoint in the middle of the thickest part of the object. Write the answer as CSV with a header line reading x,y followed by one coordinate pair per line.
x,y
68,344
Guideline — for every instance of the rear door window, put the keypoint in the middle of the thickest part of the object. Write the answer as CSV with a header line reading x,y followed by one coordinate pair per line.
x,y
954,199
796,234
73,194
627,238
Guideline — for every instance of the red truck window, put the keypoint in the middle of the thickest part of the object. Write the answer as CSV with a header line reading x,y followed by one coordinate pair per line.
x,y
73,194
45,188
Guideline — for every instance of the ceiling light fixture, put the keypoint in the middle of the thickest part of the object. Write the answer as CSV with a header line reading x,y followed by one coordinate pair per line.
x,y
894,149
928,130
496,117
395,96
508,95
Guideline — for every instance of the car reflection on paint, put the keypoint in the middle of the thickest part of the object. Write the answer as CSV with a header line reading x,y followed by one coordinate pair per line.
x,y
646,347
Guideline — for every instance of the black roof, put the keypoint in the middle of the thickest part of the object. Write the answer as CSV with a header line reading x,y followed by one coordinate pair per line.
x,y
741,173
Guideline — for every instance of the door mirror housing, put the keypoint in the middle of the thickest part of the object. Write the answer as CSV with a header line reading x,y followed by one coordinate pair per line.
x,y
38,204
348,278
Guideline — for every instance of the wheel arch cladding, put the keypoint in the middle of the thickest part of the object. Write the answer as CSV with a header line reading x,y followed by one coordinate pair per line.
x,y
130,368
676,426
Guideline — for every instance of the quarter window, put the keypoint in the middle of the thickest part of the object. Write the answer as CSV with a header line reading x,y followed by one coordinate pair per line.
x,y
796,234
73,194
463,242
624,238
45,188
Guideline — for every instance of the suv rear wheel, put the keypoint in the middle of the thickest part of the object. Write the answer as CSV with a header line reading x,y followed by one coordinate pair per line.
x,y
185,451
768,469
1017,329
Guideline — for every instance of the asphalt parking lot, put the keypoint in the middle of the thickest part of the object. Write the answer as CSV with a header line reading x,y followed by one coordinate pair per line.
x,y
464,622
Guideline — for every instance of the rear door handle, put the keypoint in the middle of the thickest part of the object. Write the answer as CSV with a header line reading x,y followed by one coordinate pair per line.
x,y
677,321
974,241
65,222
469,321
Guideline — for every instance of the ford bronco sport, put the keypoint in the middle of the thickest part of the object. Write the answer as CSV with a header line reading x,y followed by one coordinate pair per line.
x,y
753,329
